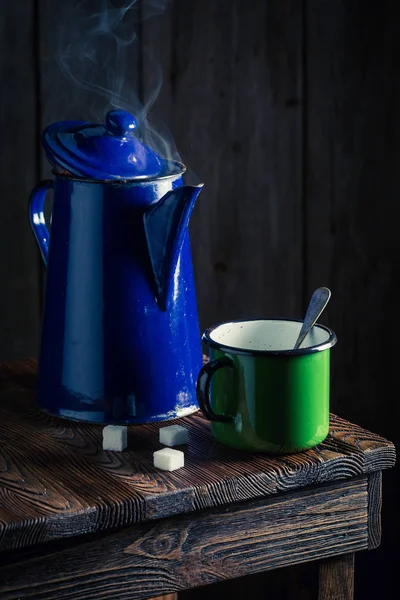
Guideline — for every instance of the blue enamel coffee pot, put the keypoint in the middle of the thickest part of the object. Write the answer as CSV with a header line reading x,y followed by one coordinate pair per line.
x,y
120,339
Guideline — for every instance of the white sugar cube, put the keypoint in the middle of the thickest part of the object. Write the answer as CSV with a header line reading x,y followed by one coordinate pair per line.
x,y
168,459
115,437
173,435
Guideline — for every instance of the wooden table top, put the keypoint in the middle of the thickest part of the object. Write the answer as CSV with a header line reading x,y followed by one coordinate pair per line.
x,y
56,482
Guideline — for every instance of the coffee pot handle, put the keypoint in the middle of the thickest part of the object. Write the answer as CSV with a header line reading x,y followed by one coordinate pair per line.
x,y
36,216
203,389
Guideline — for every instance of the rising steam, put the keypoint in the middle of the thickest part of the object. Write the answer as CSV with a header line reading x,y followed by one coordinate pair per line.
x,y
99,49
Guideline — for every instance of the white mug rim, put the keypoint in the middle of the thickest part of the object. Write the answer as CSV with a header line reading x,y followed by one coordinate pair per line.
x,y
212,343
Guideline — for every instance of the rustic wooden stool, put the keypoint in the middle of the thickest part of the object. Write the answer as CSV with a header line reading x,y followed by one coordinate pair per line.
x,y
78,522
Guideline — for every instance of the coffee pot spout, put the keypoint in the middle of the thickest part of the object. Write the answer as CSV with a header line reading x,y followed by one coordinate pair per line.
x,y
166,225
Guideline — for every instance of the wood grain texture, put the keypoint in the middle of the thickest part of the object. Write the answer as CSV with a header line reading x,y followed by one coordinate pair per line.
x,y
19,263
374,509
336,578
232,97
57,482
186,551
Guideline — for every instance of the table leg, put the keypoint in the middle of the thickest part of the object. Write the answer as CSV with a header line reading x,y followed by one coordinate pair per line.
x,y
336,578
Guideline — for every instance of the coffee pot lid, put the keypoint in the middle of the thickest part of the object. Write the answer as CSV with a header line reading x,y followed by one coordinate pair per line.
x,y
110,151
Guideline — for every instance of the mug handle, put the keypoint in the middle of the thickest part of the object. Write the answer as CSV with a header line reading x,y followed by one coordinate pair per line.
x,y
36,216
203,389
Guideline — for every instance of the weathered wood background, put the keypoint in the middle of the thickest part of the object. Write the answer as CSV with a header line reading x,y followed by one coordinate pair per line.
x,y
288,111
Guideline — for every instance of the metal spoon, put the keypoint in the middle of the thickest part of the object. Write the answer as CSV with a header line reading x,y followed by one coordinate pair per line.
x,y
318,301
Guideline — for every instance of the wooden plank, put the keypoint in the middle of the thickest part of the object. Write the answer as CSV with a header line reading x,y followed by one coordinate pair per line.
x,y
19,264
374,510
231,96
336,578
56,482
199,549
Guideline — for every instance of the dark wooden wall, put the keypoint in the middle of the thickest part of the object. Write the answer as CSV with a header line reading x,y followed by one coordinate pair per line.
x,y
288,111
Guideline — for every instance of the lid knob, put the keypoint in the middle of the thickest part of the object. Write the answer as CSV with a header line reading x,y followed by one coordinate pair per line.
x,y
120,123
109,151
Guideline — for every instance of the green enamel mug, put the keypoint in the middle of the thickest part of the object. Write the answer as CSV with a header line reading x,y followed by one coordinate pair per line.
x,y
259,393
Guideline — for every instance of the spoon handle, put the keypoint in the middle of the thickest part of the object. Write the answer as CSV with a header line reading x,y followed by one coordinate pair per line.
x,y
318,301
